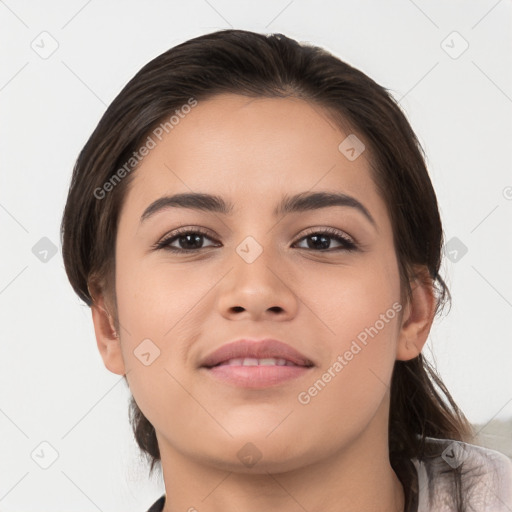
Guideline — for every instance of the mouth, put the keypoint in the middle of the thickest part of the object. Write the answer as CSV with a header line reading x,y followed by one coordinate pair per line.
x,y
253,361
256,364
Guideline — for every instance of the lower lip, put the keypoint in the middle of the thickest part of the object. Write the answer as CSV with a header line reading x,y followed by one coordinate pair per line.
x,y
260,376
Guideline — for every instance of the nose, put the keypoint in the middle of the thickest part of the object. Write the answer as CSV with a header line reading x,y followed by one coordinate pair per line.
x,y
258,289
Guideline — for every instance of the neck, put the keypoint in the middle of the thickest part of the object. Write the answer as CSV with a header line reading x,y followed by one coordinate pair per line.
x,y
357,477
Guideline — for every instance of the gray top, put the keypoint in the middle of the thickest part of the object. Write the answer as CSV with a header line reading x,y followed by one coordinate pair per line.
x,y
486,478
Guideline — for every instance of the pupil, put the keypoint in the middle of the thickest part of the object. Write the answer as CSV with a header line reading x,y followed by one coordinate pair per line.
x,y
324,245
196,241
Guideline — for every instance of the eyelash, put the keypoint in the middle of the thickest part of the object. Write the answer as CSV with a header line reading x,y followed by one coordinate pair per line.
x,y
347,244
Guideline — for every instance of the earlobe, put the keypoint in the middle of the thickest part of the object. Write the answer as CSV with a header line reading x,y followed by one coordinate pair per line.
x,y
107,338
417,319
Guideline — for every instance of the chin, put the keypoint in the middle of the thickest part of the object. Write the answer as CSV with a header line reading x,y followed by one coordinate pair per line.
x,y
260,455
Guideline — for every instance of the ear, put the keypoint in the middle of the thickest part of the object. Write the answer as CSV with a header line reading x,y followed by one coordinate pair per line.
x,y
417,318
107,338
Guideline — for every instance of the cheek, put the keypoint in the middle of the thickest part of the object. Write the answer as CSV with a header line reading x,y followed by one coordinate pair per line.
x,y
157,305
154,296
161,308
358,312
347,300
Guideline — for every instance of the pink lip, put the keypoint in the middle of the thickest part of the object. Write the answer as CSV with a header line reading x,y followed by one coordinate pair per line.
x,y
258,349
256,376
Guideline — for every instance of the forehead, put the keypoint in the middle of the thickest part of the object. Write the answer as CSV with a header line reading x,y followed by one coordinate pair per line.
x,y
252,149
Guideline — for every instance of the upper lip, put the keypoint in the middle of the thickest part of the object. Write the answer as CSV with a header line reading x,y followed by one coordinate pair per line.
x,y
258,349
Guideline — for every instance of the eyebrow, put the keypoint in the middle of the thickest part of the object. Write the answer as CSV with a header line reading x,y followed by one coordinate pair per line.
x,y
289,204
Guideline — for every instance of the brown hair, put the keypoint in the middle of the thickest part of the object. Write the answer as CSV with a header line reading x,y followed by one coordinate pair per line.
x,y
257,65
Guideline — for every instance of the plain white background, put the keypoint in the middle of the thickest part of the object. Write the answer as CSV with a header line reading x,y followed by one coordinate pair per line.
x,y
53,386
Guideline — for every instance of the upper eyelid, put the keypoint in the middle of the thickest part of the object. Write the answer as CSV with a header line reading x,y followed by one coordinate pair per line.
x,y
193,229
330,231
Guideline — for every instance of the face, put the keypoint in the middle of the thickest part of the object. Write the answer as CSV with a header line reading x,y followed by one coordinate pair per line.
x,y
323,280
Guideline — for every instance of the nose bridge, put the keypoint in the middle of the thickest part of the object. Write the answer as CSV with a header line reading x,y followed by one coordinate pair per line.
x,y
257,281
255,257
256,238
257,250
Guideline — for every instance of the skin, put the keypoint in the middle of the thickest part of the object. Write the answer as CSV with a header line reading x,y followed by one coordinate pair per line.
x,y
332,453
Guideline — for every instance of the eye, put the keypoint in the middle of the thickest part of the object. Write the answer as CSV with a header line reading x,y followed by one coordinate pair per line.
x,y
320,240
191,240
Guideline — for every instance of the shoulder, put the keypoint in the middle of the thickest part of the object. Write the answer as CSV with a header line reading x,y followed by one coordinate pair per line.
x,y
454,470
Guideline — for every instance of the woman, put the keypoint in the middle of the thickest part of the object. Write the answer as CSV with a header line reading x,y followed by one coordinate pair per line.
x,y
253,226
